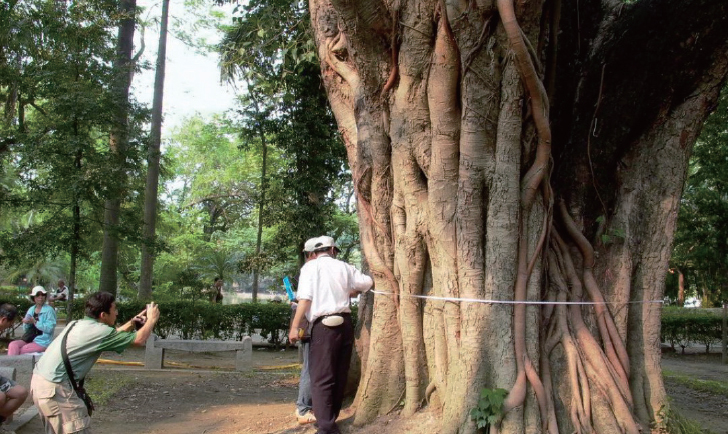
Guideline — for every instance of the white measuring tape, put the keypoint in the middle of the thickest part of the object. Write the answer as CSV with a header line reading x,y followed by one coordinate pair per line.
x,y
480,300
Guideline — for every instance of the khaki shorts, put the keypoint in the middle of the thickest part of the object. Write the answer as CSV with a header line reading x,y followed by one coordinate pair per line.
x,y
60,409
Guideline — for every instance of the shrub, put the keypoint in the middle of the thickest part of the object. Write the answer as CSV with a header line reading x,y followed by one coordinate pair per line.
x,y
201,319
681,326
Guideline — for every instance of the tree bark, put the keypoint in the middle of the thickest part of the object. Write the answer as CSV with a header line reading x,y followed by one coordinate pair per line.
x,y
495,161
152,186
118,144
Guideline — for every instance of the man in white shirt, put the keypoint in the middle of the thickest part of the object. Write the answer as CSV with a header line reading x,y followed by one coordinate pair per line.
x,y
61,293
324,290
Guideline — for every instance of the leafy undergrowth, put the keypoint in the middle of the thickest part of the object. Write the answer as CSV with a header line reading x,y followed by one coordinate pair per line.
x,y
674,423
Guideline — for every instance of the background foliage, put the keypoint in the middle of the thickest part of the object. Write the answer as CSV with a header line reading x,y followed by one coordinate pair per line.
x,y
700,249
56,72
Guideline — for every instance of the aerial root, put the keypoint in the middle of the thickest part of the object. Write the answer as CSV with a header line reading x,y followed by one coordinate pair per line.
x,y
429,391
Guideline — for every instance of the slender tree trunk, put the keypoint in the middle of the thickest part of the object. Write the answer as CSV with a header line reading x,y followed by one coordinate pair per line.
x,y
152,186
487,161
261,206
263,187
76,237
75,247
680,288
118,144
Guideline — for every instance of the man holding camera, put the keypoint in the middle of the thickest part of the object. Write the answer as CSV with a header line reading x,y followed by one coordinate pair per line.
x,y
60,407
324,291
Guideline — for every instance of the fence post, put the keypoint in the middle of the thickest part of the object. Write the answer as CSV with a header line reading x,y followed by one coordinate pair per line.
x,y
725,333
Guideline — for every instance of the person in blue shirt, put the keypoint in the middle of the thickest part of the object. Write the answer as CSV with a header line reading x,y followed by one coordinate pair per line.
x,y
40,317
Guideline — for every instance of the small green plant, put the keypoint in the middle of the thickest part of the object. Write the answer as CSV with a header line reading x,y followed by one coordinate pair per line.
x,y
490,407
612,235
674,423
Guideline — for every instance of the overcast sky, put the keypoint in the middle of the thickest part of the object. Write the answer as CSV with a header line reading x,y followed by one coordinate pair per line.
x,y
192,81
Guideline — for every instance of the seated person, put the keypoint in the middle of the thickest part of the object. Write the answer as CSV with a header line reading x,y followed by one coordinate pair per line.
x,y
61,293
216,291
12,395
39,323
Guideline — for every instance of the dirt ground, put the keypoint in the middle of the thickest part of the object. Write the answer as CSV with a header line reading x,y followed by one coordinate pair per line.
x,y
200,393
709,410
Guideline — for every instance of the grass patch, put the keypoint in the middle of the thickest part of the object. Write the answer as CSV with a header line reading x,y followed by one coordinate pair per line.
x,y
710,386
674,423
103,386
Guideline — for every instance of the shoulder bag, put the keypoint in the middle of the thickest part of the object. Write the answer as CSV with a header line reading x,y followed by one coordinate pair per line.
x,y
30,335
78,387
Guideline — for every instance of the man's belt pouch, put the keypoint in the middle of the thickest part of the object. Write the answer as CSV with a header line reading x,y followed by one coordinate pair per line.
x,y
333,321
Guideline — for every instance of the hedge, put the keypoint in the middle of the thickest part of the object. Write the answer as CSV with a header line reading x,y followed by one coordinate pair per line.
x,y
203,320
682,326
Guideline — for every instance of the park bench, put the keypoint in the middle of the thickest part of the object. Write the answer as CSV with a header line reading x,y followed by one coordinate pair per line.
x,y
154,355
22,365
19,369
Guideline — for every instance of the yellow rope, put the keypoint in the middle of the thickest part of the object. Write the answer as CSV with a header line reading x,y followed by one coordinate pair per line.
x,y
119,362
276,367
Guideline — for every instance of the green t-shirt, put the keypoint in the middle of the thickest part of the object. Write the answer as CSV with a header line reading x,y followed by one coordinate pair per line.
x,y
88,339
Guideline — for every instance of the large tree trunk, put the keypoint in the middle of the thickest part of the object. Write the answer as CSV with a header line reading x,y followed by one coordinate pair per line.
x,y
152,186
118,144
521,152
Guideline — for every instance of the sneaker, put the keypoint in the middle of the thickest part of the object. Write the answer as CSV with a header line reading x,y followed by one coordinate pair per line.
x,y
305,418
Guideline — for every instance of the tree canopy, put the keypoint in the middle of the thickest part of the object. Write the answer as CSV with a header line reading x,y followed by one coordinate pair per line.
x,y
57,86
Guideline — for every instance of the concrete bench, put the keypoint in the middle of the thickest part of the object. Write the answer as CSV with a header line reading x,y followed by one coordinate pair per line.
x,y
154,354
23,365
7,372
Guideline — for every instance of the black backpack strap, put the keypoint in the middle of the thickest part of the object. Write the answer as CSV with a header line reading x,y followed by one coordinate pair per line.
x,y
66,362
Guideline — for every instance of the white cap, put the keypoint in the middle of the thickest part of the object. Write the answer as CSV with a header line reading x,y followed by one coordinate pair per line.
x,y
36,290
324,242
310,245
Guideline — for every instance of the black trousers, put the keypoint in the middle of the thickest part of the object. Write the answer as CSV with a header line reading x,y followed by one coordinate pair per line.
x,y
329,361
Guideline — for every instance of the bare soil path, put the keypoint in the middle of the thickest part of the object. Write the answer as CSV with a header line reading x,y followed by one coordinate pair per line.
x,y
710,410
200,393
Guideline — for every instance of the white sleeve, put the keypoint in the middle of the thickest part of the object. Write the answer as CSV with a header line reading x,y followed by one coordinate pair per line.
x,y
306,283
359,281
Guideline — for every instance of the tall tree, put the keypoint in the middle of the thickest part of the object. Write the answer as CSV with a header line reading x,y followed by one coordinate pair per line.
x,y
259,131
700,252
218,177
270,47
152,186
519,152
119,144
58,56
